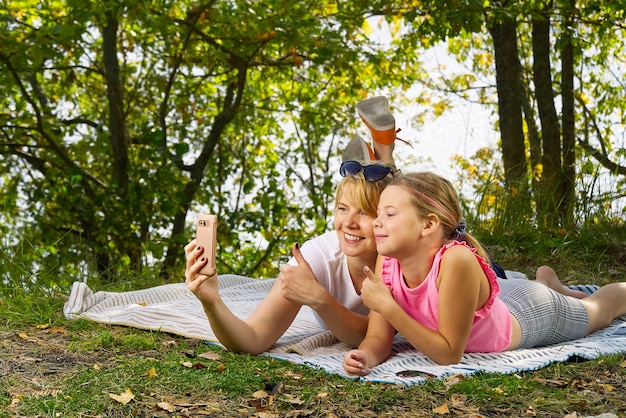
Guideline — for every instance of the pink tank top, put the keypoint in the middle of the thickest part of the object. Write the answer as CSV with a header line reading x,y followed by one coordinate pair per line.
x,y
491,331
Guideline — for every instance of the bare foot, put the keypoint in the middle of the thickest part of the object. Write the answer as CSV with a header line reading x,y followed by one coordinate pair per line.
x,y
547,276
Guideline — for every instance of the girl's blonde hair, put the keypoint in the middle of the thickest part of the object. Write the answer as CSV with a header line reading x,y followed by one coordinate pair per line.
x,y
433,194
361,193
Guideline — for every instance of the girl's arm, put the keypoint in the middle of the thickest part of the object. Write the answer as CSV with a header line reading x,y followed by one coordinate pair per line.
x,y
461,292
374,349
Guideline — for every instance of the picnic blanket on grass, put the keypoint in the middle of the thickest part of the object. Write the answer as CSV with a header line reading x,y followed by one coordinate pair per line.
x,y
174,309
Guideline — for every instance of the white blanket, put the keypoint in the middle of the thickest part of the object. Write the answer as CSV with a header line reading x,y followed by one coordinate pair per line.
x,y
174,309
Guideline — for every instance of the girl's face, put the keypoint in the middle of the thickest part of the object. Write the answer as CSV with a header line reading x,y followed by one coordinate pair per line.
x,y
398,225
354,229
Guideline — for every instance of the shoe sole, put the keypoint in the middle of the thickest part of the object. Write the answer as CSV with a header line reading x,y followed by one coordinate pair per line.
x,y
359,150
375,114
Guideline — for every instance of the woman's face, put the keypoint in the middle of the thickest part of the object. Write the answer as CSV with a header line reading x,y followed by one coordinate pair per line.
x,y
354,229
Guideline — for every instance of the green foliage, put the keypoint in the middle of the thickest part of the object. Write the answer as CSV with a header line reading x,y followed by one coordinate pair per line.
x,y
596,33
122,121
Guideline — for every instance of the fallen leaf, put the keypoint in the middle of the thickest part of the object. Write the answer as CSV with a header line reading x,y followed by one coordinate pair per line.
x,y
206,412
43,326
297,413
124,397
607,387
458,400
260,394
260,403
530,411
442,409
186,364
292,399
164,406
16,399
292,375
152,372
220,368
453,380
267,415
209,355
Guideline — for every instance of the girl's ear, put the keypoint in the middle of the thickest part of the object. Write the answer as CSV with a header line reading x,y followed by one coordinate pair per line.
x,y
431,224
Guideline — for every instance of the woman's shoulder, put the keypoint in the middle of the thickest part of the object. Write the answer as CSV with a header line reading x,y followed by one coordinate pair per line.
x,y
323,248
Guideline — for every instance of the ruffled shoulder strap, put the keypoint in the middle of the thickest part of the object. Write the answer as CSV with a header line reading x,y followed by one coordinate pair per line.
x,y
489,272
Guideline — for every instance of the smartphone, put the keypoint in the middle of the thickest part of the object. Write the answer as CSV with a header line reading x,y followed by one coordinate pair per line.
x,y
206,236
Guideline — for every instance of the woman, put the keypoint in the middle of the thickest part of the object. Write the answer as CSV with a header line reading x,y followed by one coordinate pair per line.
x,y
435,286
325,274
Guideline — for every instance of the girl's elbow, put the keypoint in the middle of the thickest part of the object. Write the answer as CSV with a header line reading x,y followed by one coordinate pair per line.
x,y
447,362
448,359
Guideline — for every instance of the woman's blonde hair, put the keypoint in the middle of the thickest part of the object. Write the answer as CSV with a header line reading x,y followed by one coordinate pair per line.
x,y
360,192
433,194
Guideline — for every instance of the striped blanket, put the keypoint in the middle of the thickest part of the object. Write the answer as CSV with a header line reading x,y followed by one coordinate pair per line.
x,y
174,309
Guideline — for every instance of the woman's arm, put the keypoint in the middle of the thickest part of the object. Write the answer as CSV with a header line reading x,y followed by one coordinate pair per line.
x,y
299,285
259,331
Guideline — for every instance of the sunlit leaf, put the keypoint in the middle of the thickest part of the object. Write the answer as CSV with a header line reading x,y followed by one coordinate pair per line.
x,y
209,355
124,397
442,409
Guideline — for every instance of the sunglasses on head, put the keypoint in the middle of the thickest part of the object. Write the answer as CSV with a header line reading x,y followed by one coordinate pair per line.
x,y
371,172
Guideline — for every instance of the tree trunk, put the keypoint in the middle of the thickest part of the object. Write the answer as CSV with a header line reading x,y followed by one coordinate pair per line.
x,y
128,243
568,121
551,197
115,96
508,82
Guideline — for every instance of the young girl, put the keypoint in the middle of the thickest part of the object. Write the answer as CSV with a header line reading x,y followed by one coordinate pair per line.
x,y
435,287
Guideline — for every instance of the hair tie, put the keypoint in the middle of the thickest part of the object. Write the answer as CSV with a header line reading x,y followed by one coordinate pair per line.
x,y
459,231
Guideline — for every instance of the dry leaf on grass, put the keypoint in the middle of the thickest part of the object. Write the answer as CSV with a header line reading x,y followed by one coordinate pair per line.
x,y
165,406
123,397
209,355
442,409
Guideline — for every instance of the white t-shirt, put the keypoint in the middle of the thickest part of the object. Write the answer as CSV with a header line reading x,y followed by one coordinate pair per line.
x,y
330,267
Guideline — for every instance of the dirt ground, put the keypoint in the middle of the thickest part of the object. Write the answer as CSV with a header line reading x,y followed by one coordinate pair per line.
x,y
37,360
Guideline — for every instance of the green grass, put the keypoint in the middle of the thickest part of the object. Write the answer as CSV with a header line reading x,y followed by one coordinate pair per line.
x,y
52,367
78,370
